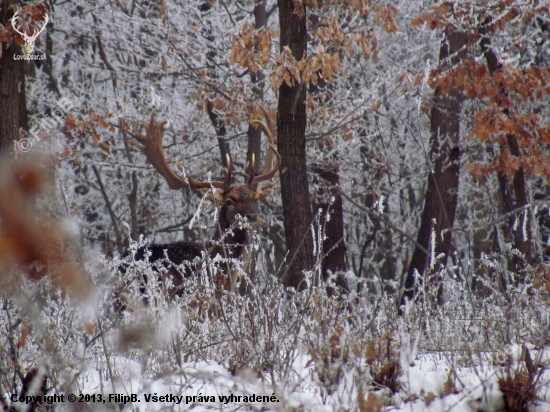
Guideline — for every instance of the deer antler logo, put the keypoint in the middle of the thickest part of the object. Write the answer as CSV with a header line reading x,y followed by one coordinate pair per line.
x,y
28,47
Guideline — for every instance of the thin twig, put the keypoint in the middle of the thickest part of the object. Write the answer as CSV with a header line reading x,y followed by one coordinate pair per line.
x,y
387,222
132,196
109,209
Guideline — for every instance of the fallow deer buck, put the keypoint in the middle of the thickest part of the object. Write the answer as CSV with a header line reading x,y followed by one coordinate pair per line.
x,y
236,205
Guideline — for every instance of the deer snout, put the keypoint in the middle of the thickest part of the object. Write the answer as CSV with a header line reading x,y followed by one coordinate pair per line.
x,y
252,217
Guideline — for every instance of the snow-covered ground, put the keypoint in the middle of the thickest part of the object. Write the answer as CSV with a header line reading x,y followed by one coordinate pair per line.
x,y
273,352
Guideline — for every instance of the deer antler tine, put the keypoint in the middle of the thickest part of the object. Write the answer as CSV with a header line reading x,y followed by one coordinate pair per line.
x,y
252,166
137,135
268,174
267,118
227,183
271,128
272,172
152,118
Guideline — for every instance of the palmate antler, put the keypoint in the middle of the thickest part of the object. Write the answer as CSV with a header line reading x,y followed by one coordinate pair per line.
x,y
151,145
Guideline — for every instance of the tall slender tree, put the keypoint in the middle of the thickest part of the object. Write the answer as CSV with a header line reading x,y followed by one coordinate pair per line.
x,y
514,192
258,80
442,192
329,204
291,125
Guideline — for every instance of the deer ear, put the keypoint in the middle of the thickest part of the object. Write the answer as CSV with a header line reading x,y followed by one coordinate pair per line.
x,y
264,190
219,197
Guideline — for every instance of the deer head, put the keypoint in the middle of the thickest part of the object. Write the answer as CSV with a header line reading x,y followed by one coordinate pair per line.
x,y
232,200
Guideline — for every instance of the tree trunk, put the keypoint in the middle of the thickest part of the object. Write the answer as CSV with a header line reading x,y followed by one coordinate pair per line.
x,y
13,110
334,248
217,121
514,194
221,132
291,125
255,133
442,192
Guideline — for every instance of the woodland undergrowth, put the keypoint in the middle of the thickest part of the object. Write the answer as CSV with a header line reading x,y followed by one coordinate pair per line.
x,y
355,350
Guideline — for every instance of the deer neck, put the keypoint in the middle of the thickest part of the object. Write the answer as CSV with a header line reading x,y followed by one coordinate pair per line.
x,y
236,238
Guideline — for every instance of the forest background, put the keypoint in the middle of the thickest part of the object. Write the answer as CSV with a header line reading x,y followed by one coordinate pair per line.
x,y
414,139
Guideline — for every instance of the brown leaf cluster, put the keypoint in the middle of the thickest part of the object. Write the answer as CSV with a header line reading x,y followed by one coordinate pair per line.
x,y
506,85
329,32
504,92
286,70
329,358
518,387
372,403
311,69
88,129
333,37
385,15
359,7
323,63
450,15
29,242
384,365
252,48
541,282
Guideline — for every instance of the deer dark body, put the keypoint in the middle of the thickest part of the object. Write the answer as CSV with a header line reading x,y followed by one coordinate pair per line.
x,y
237,204
229,242
172,255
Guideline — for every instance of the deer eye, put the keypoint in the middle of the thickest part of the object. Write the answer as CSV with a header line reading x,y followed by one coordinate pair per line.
x,y
229,202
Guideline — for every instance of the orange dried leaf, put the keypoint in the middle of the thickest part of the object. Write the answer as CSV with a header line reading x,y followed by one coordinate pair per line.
x,y
418,80
70,122
25,329
89,328
374,106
